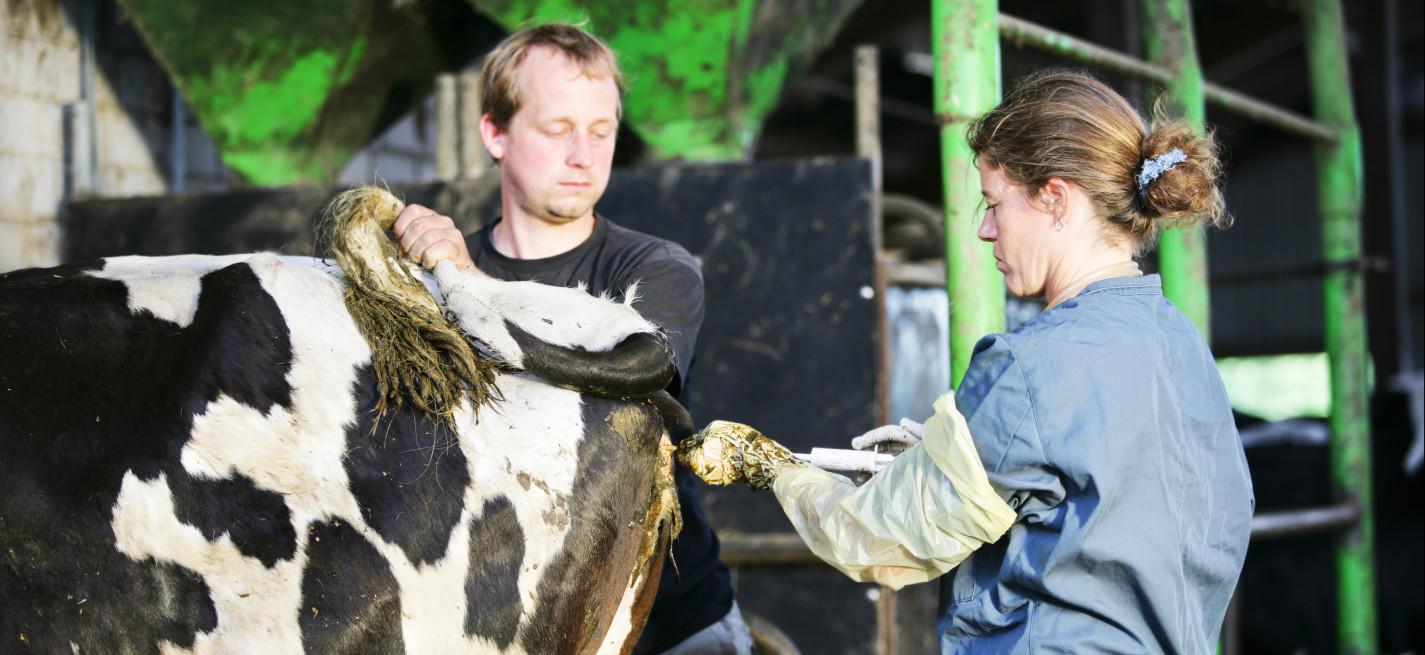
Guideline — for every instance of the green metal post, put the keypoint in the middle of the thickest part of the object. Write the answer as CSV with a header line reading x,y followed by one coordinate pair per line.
x,y
965,46
1338,179
1182,255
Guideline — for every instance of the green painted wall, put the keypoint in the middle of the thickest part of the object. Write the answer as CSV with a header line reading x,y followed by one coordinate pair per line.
x,y
289,91
702,74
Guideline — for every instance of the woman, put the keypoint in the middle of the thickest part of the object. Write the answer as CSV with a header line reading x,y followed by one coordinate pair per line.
x,y
1103,420
1102,423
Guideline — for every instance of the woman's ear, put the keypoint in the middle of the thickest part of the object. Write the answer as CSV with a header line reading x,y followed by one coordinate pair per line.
x,y
1054,198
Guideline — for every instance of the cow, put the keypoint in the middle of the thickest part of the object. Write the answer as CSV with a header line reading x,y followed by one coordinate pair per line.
x,y
205,454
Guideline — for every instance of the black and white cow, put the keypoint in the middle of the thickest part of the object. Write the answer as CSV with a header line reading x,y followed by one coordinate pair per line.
x,y
188,464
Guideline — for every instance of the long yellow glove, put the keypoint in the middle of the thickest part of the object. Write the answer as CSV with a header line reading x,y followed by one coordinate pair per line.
x,y
910,523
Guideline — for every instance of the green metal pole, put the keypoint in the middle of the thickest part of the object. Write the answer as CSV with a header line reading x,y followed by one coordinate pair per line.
x,y
1338,179
965,46
1182,255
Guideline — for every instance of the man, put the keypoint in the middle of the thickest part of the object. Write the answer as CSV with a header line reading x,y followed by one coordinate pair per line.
x,y
552,103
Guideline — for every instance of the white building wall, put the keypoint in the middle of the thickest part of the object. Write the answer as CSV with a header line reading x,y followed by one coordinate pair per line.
x,y
39,73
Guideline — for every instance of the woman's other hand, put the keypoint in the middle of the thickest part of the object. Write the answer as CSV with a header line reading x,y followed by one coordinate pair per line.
x,y
893,439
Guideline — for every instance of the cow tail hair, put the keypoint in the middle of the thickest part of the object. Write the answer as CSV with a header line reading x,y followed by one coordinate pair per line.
x,y
417,355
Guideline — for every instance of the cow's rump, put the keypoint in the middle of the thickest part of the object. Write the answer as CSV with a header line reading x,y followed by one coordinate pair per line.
x,y
188,461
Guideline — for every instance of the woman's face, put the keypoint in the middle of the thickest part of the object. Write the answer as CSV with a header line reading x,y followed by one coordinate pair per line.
x,y
1020,232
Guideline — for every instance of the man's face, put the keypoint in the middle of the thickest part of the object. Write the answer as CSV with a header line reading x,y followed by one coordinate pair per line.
x,y
556,154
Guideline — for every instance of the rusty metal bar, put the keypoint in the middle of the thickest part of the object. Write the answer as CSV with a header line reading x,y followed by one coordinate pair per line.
x,y
773,548
1368,263
447,127
1231,641
1024,33
474,161
765,549
1275,525
868,146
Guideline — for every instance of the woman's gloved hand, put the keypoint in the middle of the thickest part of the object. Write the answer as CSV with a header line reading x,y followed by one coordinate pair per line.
x,y
725,453
893,439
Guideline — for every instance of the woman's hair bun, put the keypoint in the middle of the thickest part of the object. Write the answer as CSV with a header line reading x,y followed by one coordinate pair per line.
x,y
1186,191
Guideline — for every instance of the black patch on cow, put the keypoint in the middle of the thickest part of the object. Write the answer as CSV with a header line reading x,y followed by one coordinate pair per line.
x,y
408,475
492,591
246,356
639,365
90,391
616,468
56,590
257,520
351,602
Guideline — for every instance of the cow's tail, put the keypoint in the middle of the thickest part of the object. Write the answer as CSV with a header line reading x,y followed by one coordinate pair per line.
x,y
417,355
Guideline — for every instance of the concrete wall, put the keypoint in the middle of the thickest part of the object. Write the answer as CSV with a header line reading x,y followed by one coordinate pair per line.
x,y
404,153
39,72
133,104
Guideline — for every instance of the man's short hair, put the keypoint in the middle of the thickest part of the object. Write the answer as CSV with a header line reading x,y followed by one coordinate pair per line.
x,y
499,77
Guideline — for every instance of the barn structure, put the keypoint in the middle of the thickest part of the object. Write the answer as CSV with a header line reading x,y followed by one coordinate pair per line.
x,y
810,155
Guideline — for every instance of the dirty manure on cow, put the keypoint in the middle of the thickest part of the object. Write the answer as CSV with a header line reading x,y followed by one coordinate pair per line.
x,y
418,355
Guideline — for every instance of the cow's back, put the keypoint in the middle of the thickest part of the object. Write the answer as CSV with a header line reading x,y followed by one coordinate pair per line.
x,y
187,458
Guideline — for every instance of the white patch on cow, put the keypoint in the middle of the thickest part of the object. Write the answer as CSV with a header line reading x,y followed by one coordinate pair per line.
x,y
254,604
536,471
165,287
557,315
622,625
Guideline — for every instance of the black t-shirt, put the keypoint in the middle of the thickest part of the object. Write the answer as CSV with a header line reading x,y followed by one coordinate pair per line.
x,y
695,590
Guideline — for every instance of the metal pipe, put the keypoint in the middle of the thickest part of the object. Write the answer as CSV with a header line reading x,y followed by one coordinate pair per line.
x,y
84,127
787,548
474,161
868,146
1274,525
1338,183
178,142
1267,113
1368,263
1024,33
1182,252
868,118
766,549
447,127
1231,640
966,84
